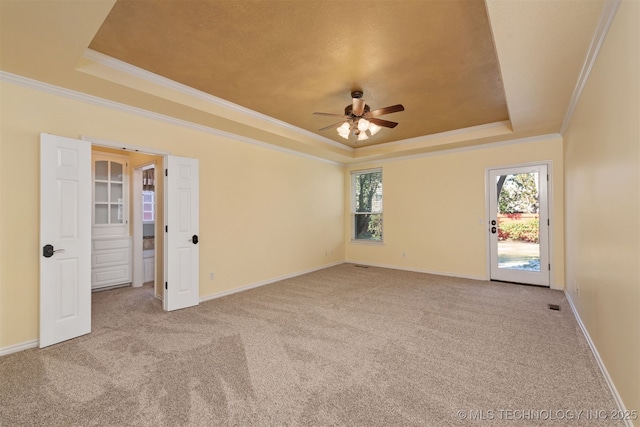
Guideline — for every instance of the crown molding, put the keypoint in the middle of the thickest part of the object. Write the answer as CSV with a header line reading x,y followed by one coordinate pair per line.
x,y
132,70
506,124
606,18
105,103
458,150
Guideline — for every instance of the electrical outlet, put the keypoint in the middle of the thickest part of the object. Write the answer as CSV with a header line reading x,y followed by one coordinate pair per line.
x,y
212,275
404,254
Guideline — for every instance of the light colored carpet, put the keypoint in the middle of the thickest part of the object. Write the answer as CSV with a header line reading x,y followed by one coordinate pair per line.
x,y
345,346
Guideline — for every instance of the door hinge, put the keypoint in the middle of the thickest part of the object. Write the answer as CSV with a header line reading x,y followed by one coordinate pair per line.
x,y
166,228
549,267
548,222
166,172
547,177
166,285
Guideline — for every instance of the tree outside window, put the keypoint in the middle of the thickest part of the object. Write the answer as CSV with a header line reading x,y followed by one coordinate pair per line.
x,y
367,205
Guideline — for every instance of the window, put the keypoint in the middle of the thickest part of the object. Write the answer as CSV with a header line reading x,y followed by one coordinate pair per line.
x,y
148,204
366,205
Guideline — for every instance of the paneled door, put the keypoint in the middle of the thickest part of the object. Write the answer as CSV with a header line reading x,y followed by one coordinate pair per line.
x,y
65,239
182,285
519,225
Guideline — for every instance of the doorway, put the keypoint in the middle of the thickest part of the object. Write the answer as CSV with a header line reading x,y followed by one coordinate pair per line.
x,y
519,224
66,220
146,220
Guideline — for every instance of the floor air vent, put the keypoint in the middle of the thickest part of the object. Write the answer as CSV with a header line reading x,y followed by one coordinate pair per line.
x,y
555,307
361,266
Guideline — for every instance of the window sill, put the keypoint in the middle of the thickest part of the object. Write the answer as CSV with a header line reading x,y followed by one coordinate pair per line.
x,y
368,242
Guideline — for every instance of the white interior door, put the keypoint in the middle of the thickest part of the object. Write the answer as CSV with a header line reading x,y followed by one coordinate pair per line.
x,y
182,286
519,225
65,239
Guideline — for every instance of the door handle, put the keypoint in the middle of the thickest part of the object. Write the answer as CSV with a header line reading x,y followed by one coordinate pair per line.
x,y
48,251
194,239
493,230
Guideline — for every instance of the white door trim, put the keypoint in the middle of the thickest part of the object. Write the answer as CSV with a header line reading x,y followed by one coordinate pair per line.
x,y
122,146
160,167
136,218
138,263
489,187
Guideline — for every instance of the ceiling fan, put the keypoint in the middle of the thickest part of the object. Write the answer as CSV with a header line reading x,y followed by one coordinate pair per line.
x,y
360,120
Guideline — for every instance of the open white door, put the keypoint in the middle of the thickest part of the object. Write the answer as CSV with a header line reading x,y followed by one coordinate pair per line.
x,y
182,287
519,225
65,239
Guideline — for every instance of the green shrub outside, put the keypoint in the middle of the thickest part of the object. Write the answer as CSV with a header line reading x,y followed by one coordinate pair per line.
x,y
525,231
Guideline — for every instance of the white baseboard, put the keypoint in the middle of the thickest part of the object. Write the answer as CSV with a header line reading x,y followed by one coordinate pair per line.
x,y
417,270
18,347
266,282
603,369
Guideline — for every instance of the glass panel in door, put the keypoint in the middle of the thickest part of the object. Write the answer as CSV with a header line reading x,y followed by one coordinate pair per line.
x,y
518,221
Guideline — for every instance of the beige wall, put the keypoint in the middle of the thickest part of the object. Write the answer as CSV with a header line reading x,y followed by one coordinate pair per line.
x,y
435,210
602,198
264,214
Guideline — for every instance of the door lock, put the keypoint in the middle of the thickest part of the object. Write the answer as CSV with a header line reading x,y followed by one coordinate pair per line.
x,y
47,251
493,230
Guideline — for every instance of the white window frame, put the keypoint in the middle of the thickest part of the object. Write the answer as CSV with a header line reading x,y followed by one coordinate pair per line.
x,y
151,194
354,175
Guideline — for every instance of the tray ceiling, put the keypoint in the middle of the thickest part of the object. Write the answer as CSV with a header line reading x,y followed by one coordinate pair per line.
x,y
287,59
469,73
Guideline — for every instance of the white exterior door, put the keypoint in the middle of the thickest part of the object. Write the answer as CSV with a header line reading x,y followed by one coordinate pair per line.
x,y
65,239
182,287
519,225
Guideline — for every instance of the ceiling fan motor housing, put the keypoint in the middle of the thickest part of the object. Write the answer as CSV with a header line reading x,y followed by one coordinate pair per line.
x,y
348,110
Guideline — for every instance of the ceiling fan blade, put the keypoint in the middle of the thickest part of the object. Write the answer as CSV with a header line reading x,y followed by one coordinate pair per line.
x,y
386,110
358,106
333,126
385,123
330,114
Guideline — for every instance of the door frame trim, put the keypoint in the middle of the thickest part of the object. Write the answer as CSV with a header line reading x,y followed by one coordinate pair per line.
x,y
137,226
552,220
142,150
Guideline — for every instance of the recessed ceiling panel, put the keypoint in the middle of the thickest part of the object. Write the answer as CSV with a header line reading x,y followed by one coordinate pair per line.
x,y
288,59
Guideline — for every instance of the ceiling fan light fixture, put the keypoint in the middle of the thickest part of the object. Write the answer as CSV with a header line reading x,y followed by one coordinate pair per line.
x,y
363,125
345,127
358,119
344,130
374,128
